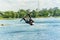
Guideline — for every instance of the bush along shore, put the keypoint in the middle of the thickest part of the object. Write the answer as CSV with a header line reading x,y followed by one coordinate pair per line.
x,y
52,12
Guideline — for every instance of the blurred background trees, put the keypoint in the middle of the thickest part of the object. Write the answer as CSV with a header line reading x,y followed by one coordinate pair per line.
x,y
52,12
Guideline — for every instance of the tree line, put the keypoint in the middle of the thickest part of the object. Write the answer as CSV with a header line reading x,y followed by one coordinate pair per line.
x,y
52,12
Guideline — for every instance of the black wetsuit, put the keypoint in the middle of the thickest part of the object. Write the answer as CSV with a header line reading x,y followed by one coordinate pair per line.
x,y
30,21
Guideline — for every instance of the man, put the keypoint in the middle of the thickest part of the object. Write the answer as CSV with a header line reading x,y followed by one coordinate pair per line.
x,y
29,21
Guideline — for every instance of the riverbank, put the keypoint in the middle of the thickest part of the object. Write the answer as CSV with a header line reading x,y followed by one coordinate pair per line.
x,y
20,18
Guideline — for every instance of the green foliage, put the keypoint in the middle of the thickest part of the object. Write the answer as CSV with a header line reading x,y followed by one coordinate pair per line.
x,y
54,12
34,13
44,13
21,13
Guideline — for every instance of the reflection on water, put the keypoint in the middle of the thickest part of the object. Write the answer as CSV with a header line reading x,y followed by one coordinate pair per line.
x,y
43,29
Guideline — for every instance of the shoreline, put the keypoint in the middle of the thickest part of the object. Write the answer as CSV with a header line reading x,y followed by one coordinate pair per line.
x,y
20,18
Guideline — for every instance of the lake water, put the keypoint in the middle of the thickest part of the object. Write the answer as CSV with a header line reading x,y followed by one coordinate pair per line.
x,y
43,29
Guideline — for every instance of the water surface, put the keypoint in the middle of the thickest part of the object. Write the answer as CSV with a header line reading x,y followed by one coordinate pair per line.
x,y
43,29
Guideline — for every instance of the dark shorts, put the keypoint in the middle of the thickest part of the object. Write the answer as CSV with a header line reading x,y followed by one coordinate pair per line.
x,y
27,21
